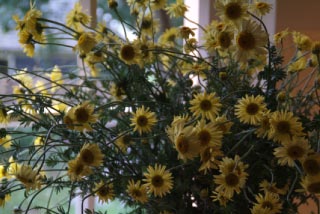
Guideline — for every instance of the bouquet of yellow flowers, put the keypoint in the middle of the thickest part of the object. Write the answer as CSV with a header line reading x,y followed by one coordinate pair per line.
x,y
163,122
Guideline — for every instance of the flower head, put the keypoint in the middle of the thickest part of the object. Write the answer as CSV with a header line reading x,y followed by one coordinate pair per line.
x,y
91,155
158,180
233,11
104,191
143,120
137,191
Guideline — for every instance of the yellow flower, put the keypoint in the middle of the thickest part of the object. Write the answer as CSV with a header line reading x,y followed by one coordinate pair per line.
x,y
86,42
208,135
185,142
223,124
267,203
298,65
209,158
77,170
289,152
137,191
149,25
3,172
143,120
117,92
272,188
76,18
38,141
311,184
303,42
6,141
250,109
56,78
278,37
104,191
123,142
311,164
177,9
26,175
223,200
234,11
261,8
91,155
250,41
205,105
232,177
80,117
158,180
130,54
316,48
283,126
168,37
263,125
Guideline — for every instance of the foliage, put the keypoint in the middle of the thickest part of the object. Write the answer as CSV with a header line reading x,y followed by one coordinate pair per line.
x,y
164,123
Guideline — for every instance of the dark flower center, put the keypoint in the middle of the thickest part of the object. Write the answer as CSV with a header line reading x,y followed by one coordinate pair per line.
x,y
312,167
87,156
252,108
142,121
157,181
246,40
295,152
232,179
79,168
283,127
224,40
314,187
136,193
82,115
205,105
103,191
267,204
233,10
204,137
146,24
182,144
127,52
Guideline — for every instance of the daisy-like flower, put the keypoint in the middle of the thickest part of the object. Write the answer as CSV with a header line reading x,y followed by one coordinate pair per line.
x,y
311,164
250,41
3,172
263,125
291,151
117,92
26,175
250,109
80,117
130,54
223,124
177,9
278,37
91,155
86,42
75,18
186,144
25,40
158,180
104,191
260,7
315,48
267,203
123,142
302,41
283,126
149,25
38,141
297,65
234,11
209,158
232,177
168,37
137,191
77,170
272,188
311,184
208,135
6,141
143,120
222,199
205,105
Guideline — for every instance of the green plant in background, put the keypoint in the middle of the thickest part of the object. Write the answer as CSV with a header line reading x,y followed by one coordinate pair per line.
x,y
161,122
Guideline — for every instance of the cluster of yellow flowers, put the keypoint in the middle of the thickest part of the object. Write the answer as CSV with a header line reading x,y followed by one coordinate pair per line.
x,y
133,124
